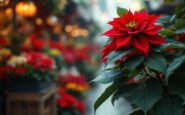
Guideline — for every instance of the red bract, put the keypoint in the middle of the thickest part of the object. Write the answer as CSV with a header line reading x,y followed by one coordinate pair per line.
x,y
81,107
66,100
20,70
40,61
37,44
78,79
55,45
4,70
133,30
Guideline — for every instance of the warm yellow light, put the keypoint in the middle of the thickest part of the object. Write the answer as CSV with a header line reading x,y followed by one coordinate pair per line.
x,y
68,28
136,6
8,11
26,9
38,21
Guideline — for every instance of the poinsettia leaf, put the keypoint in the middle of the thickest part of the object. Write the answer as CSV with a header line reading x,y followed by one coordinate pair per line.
x,y
177,85
143,9
134,62
180,25
180,10
181,30
175,64
171,44
117,67
121,11
108,76
168,105
143,95
167,32
168,1
106,94
138,112
165,20
156,62
117,55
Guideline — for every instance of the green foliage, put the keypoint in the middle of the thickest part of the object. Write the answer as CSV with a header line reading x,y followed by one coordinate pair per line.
x,y
180,26
134,62
168,105
169,1
108,76
176,85
138,112
156,62
143,95
117,55
175,64
107,93
171,44
121,11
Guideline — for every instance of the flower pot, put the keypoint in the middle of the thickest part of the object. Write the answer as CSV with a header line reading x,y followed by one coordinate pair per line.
x,y
29,87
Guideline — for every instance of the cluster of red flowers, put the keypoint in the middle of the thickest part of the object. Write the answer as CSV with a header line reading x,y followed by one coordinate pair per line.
x,y
133,30
73,55
36,60
66,100
40,61
7,69
78,79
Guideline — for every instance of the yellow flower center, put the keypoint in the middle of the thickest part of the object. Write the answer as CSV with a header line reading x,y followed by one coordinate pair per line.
x,y
54,52
131,24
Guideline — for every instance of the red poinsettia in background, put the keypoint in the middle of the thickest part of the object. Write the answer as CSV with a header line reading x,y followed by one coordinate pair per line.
x,y
72,82
66,100
26,66
73,55
40,61
133,30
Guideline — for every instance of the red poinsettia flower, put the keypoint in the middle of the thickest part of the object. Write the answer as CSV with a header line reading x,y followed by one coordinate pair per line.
x,y
133,30
66,100
40,61
20,70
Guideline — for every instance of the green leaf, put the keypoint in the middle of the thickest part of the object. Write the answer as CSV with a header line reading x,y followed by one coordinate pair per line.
x,y
171,44
108,76
180,23
168,105
175,64
156,62
180,10
168,1
121,11
167,32
142,95
177,85
107,93
134,62
143,9
138,112
181,30
114,56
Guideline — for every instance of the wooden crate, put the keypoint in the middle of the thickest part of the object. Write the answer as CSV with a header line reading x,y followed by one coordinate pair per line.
x,y
31,103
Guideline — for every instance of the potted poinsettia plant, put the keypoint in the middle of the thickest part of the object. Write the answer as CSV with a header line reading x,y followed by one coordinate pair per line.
x,y
144,61
28,72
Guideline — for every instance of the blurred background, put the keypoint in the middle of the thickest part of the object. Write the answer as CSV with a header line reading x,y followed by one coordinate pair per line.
x,y
66,35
